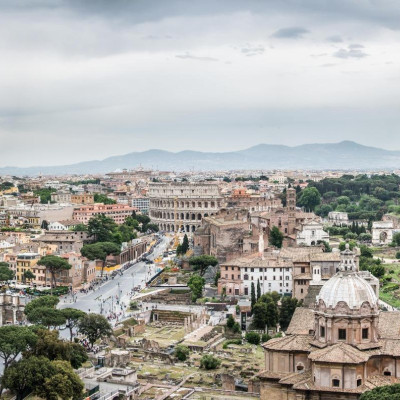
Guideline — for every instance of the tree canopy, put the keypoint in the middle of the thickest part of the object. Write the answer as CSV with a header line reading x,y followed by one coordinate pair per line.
x,y
309,198
201,263
42,311
50,380
6,274
276,237
14,340
95,327
54,265
100,251
389,392
72,317
196,284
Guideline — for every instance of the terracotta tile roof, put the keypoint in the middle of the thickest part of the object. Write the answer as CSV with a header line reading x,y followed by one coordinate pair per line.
x,y
333,256
389,347
296,378
272,375
302,322
389,325
380,380
309,385
290,343
339,353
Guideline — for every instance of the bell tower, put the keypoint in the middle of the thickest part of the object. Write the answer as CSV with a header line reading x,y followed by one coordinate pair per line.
x,y
291,209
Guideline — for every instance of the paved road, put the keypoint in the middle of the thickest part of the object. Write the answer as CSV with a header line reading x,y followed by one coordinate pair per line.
x,y
104,298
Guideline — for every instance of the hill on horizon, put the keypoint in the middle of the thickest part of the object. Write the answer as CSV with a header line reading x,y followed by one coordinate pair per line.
x,y
342,155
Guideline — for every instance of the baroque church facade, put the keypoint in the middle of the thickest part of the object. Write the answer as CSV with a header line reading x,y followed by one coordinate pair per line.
x,y
338,350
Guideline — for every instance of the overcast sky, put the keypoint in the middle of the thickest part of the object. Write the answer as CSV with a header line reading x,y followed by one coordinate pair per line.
x,y
83,80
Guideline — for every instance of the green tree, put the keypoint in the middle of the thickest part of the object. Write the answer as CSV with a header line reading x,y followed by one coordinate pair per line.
x,y
276,237
259,315
44,301
49,345
80,228
185,244
26,375
352,244
153,227
230,322
72,317
309,198
253,338
327,247
201,263
50,380
196,284
28,275
217,277
64,384
102,198
42,311
258,289
208,362
101,228
45,225
389,392
366,251
54,265
100,251
181,352
288,306
6,274
253,295
95,327
365,237
45,194
49,317
15,340
396,239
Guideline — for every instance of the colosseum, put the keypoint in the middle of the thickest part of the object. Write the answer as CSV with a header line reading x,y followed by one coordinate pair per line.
x,y
181,206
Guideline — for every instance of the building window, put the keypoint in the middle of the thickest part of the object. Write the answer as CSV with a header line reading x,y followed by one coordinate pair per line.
x,y
359,382
303,270
365,333
300,367
335,382
246,291
342,334
322,331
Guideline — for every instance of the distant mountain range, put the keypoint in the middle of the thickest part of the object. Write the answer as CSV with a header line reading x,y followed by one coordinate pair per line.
x,y
343,155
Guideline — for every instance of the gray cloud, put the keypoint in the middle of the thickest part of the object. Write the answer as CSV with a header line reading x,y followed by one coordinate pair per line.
x,y
188,56
334,39
253,51
290,33
355,46
351,52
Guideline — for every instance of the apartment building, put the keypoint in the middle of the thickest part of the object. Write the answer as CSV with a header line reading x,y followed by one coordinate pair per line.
x,y
118,212
271,271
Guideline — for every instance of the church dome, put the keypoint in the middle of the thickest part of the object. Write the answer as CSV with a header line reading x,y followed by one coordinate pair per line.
x,y
349,288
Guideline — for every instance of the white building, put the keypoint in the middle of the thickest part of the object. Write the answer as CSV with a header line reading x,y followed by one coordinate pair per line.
x,y
312,233
57,226
337,217
272,271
